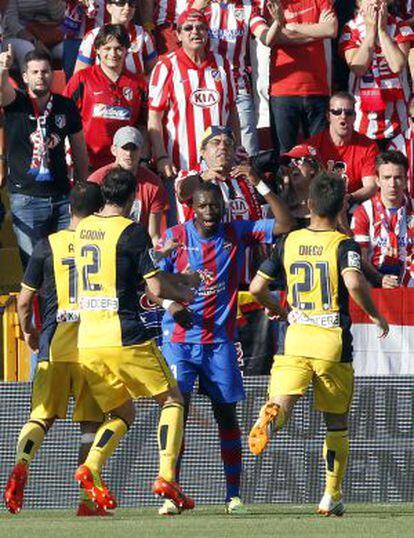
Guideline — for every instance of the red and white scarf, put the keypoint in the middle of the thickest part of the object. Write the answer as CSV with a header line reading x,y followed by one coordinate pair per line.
x,y
39,166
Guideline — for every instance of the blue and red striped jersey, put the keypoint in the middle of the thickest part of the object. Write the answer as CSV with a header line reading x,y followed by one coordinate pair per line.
x,y
219,260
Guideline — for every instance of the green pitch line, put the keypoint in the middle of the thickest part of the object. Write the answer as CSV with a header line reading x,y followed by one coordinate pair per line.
x,y
361,520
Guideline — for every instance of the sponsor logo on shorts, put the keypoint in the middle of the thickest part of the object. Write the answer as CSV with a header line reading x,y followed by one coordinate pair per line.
x,y
205,98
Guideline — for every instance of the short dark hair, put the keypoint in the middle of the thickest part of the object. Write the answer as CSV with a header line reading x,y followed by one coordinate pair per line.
x,y
36,55
207,186
112,31
118,186
342,94
392,157
85,198
327,192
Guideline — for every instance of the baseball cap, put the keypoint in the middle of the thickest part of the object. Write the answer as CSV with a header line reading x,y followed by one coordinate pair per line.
x,y
300,151
128,135
215,130
191,14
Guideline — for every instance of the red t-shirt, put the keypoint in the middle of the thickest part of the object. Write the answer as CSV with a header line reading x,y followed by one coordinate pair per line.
x,y
352,162
301,69
105,106
150,196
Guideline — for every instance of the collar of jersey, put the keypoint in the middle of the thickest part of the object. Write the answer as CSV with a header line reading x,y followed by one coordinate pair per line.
x,y
192,226
182,56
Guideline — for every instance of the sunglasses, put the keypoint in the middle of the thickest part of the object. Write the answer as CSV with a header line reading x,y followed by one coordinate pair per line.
x,y
191,27
121,3
338,111
299,161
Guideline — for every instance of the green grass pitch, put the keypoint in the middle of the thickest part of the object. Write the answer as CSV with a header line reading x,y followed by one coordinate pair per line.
x,y
360,520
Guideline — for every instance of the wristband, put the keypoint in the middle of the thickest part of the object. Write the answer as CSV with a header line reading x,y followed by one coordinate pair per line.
x,y
262,188
149,26
166,303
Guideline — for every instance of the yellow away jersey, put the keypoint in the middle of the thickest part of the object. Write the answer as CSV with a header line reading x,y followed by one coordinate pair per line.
x,y
112,258
51,270
313,263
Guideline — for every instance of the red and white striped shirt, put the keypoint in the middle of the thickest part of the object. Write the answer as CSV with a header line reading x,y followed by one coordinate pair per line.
x,y
168,11
193,98
229,27
142,48
405,144
381,95
240,199
388,235
80,20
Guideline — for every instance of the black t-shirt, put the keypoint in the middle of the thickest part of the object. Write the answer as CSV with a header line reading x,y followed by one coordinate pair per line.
x,y
63,120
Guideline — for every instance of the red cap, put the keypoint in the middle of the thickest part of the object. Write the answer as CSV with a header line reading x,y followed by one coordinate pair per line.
x,y
302,150
191,13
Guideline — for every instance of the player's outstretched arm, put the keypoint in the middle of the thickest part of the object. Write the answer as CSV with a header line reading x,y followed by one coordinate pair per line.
x,y
25,313
358,289
259,288
175,287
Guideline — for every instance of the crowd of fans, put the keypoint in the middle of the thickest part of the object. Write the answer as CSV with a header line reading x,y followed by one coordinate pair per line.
x,y
332,77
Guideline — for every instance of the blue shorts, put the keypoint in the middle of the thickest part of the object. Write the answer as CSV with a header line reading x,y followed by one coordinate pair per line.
x,y
214,364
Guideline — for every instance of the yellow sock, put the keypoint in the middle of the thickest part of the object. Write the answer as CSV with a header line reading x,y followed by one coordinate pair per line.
x,y
107,438
170,436
30,440
335,454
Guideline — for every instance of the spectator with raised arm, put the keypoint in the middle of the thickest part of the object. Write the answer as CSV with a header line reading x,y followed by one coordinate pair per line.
x,y
37,124
375,45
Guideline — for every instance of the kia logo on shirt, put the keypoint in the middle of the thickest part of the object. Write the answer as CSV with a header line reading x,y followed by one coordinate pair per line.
x,y
205,98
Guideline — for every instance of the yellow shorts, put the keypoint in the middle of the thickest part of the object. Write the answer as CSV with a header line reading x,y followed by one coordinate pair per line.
x,y
117,374
333,382
53,384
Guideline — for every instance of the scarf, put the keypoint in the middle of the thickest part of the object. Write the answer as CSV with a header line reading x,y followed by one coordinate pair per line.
x,y
39,166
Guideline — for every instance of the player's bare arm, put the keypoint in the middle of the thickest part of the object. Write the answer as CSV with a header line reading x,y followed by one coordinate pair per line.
x,y
284,219
259,288
25,313
358,289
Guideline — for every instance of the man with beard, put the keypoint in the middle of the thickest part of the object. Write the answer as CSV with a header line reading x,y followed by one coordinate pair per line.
x,y
37,124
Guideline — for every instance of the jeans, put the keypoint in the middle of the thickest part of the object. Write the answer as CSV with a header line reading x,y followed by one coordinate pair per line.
x,y
248,122
35,217
289,113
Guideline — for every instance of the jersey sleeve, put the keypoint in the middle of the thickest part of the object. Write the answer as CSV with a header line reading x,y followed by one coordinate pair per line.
x,y
368,167
33,276
349,39
74,89
256,20
138,244
271,268
86,52
254,231
360,227
349,256
159,87
404,32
